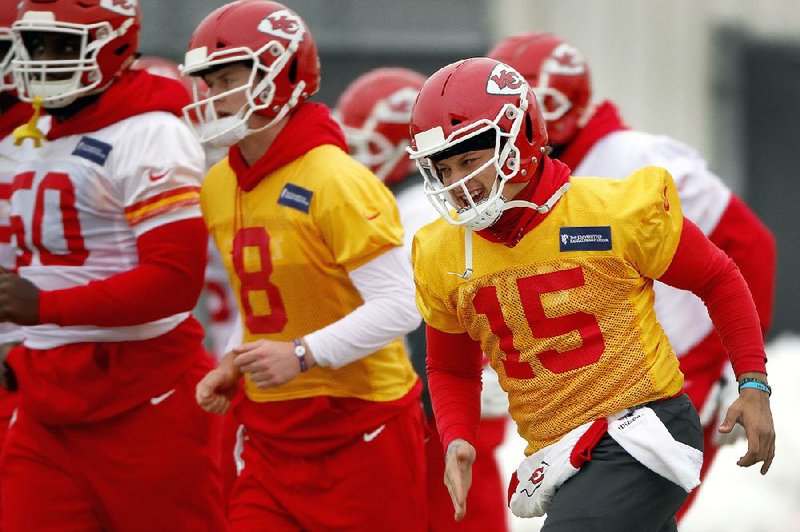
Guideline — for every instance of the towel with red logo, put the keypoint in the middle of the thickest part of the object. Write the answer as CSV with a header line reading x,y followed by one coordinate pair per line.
x,y
639,431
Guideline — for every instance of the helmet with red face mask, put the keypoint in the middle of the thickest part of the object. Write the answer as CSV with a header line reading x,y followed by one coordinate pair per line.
x,y
557,73
108,35
374,112
472,104
8,14
280,51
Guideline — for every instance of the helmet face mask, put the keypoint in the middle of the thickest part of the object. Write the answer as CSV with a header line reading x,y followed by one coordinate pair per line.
x,y
460,105
281,55
504,161
106,39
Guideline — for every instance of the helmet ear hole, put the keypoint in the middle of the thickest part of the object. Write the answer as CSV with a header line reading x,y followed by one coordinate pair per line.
x,y
528,129
293,71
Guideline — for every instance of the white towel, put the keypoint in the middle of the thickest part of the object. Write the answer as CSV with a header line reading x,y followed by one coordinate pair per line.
x,y
642,434
639,431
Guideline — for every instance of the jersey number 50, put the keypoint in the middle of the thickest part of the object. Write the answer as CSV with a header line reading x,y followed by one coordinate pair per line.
x,y
531,289
58,183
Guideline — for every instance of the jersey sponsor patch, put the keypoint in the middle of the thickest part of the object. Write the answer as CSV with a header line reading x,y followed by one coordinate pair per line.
x,y
585,238
92,149
296,197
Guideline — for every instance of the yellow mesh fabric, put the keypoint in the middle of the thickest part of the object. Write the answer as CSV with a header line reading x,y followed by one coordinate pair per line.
x,y
582,321
351,219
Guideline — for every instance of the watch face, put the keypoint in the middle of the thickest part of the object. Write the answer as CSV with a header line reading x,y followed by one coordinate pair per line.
x,y
299,350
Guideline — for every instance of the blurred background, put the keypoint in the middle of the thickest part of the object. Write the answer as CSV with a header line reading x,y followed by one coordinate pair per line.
x,y
721,76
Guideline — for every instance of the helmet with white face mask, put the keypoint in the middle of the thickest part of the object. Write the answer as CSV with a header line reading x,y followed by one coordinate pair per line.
x,y
467,102
274,43
107,33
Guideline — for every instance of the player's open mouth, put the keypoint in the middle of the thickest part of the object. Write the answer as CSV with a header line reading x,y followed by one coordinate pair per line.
x,y
477,197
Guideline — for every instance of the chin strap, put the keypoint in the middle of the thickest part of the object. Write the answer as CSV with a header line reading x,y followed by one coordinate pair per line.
x,y
543,208
546,207
30,129
467,256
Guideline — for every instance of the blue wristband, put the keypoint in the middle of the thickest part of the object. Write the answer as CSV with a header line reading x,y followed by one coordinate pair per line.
x,y
756,384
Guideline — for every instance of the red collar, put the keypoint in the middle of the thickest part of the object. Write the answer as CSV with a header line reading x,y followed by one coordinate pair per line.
x,y
134,93
517,222
604,121
310,126
14,116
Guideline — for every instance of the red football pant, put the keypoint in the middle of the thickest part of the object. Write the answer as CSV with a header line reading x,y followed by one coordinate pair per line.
x,y
154,468
486,501
375,483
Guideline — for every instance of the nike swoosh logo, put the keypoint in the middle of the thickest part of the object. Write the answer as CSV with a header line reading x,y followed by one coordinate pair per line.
x,y
371,217
369,436
161,398
156,177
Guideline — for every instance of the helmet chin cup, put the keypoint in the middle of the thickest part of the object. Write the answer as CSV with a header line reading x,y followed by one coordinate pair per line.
x,y
223,132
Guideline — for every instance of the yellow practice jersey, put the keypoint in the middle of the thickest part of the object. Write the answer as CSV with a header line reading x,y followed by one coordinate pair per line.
x,y
288,245
566,316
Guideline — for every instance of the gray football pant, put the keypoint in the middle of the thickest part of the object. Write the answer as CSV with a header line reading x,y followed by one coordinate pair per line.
x,y
614,492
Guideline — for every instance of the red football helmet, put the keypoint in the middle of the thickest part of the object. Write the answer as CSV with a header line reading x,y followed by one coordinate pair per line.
x,y
462,101
8,14
109,36
375,111
557,73
278,45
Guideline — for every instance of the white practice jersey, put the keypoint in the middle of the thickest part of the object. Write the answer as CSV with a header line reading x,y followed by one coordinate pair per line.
x,y
704,198
84,200
10,156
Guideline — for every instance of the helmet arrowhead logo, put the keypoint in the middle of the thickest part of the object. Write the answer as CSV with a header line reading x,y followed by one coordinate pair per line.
x,y
283,24
505,80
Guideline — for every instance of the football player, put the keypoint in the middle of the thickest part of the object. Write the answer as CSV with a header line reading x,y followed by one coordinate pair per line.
x,y
375,111
110,251
312,241
593,140
551,276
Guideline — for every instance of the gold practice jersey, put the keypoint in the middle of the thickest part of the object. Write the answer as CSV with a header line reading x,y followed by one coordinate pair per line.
x,y
566,316
288,245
